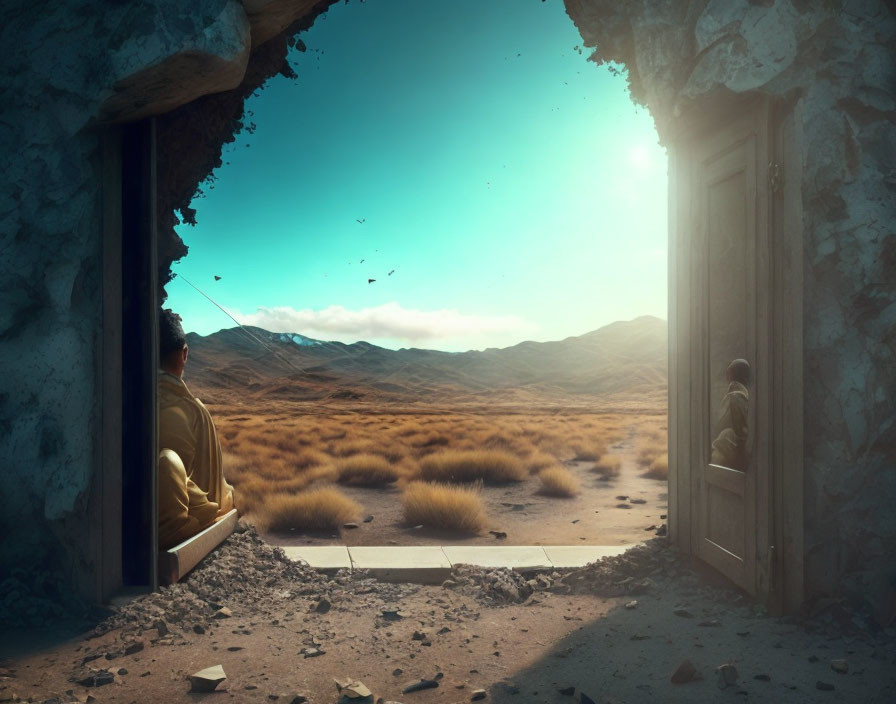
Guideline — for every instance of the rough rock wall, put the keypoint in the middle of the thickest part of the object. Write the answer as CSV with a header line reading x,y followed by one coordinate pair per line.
x,y
65,69
837,56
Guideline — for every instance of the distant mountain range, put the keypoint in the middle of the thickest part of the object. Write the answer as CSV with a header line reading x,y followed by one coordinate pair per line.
x,y
623,359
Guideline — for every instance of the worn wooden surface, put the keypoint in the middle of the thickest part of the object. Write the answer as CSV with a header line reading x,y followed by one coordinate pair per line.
x,y
174,563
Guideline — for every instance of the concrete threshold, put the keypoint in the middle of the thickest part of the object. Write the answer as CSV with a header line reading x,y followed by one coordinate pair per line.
x,y
432,564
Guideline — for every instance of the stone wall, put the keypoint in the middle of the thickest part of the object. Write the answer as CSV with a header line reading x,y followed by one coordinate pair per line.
x,y
68,70
837,58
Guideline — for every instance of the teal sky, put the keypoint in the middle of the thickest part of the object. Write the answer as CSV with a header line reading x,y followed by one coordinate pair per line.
x,y
512,186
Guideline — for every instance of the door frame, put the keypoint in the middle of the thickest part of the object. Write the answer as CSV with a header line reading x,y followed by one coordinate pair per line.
x,y
128,363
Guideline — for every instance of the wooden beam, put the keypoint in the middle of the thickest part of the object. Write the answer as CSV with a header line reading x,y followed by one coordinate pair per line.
x,y
139,355
176,562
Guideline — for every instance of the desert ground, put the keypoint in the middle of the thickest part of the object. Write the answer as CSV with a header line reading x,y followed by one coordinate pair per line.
x,y
393,475
640,627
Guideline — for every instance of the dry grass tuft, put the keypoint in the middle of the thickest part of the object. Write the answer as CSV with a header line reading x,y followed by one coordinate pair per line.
x,y
446,507
539,461
490,466
367,470
589,452
318,509
659,469
558,481
608,466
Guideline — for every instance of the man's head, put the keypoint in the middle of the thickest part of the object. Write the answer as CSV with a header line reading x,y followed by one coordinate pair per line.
x,y
739,371
172,343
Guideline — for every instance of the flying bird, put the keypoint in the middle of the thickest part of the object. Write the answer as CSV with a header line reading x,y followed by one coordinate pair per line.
x,y
362,261
361,221
391,272
370,281
217,278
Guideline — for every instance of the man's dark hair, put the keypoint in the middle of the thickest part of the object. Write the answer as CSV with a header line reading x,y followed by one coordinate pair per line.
x,y
740,371
171,334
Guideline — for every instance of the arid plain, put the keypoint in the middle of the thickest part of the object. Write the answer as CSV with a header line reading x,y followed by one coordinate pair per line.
x,y
446,476
541,443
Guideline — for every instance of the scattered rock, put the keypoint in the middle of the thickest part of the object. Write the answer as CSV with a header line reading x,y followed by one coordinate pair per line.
x,y
623,505
661,531
585,699
353,689
762,677
478,694
223,612
312,652
135,646
712,623
397,671
368,519
160,627
686,672
493,586
824,686
420,686
631,604
622,497
499,534
567,691
638,501
684,613
298,699
392,615
840,666
122,671
322,606
652,526
94,678
208,679
726,675
198,628
350,526
418,635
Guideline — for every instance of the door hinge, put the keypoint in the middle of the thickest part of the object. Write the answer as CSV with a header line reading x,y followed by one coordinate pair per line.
x,y
770,571
775,177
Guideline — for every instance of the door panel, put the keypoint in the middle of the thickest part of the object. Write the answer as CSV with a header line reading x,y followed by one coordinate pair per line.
x,y
730,224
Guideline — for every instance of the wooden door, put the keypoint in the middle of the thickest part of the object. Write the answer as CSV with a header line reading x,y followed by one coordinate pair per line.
x,y
730,304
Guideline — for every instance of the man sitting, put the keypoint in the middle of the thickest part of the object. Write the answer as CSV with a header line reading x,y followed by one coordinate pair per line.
x,y
729,449
192,490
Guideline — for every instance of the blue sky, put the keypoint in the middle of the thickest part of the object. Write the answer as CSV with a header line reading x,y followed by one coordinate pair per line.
x,y
512,186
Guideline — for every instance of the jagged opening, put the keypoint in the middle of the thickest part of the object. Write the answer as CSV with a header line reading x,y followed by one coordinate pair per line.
x,y
190,158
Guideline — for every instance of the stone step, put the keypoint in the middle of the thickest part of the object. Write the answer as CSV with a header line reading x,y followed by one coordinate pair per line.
x,y
432,564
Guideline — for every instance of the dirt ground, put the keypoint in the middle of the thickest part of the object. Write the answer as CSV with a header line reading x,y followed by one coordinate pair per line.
x,y
615,631
597,516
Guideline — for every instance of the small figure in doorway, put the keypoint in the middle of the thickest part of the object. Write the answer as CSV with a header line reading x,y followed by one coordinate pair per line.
x,y
729,449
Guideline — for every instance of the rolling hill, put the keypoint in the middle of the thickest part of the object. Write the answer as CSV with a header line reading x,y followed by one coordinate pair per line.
x,y
626,358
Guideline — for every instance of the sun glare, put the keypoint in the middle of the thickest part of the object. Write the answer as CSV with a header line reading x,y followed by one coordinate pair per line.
x,y
640,156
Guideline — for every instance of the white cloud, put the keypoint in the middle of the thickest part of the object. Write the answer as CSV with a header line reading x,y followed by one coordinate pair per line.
x,y
389,321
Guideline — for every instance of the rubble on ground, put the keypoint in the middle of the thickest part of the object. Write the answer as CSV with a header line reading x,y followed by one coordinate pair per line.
x,y
243,577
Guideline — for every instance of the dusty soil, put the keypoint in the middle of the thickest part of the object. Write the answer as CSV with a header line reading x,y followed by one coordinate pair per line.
x,y
594,517
616,631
